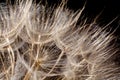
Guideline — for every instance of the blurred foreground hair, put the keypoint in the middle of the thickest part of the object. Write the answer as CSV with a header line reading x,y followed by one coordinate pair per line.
x,y
41,43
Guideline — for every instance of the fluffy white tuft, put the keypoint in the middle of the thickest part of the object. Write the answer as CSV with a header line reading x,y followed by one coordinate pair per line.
x,y
40,43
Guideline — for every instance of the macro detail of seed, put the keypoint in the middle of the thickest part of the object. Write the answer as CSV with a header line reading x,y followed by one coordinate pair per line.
x,y
45,43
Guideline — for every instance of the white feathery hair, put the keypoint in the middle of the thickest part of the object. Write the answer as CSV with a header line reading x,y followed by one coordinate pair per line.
x,y
41,43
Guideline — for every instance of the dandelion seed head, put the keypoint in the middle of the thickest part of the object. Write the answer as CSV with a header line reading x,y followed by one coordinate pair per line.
x,y
41,43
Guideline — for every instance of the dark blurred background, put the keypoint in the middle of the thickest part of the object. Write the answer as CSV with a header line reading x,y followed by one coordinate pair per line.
x,y
108,9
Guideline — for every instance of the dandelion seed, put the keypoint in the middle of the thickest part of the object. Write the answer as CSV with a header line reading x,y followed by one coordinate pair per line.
x,y
41,43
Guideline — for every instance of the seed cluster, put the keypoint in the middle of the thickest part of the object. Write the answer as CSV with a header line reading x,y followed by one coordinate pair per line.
x,y
41,43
